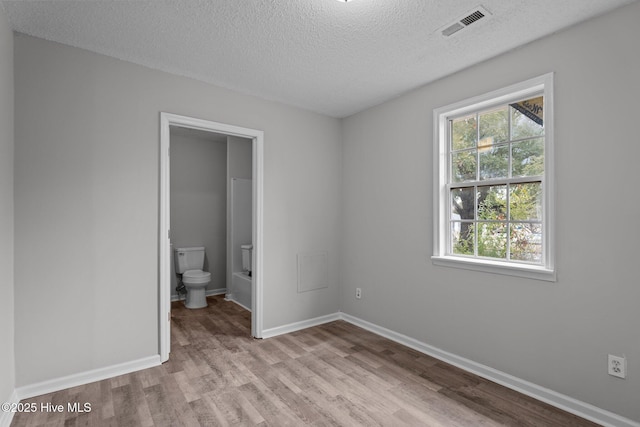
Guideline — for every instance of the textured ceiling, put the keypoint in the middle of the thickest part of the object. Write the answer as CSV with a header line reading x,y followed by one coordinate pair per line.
x,y
327,56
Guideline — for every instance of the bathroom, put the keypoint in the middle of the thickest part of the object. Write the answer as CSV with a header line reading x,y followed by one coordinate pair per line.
x,y
211,207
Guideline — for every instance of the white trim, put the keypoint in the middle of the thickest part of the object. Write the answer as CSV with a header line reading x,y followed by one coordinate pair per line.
x,y
164,251
86,377
440,256
561,401
7,417
296,326
497,267
257,313
257,136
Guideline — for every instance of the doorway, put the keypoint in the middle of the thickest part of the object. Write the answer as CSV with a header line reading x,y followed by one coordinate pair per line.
x,y
168,120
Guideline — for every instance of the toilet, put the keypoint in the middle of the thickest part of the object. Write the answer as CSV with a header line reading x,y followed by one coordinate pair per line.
x,y
189,263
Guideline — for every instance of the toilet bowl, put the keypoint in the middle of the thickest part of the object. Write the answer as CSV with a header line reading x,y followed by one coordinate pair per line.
x,y
196,282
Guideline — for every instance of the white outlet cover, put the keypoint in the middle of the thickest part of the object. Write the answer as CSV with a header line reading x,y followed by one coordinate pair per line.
x,y
617,366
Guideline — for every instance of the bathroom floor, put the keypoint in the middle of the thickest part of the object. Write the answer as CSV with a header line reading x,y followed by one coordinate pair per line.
x,y
334,374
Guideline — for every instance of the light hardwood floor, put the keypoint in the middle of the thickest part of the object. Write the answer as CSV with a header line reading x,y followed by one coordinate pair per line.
x,y
331,375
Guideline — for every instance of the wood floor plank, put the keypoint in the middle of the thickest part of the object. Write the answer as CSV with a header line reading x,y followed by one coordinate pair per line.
x,y
235,408
288,346
335,374
212,411
124,400
439,411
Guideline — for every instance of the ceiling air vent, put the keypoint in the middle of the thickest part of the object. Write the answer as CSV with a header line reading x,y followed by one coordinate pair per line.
x,y
464,21
472,18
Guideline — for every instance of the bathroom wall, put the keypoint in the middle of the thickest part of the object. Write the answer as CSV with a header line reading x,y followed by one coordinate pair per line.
x,y
239,157
199,199
240,229
7,359
86,204
240,220
239,166
556,335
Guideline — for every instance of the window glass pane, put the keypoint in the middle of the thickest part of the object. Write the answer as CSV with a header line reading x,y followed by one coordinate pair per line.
x,y
464,166
462,203
494,127
525,201
494,162
526,118
492,239
526,242
462,237
464,132
528,158
492,202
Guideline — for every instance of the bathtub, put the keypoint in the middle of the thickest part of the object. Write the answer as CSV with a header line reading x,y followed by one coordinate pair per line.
x,y
241,293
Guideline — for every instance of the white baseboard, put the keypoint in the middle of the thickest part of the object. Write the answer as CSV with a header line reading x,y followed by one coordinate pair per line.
x,y
208,293
86,377
296,326
561,401
7,417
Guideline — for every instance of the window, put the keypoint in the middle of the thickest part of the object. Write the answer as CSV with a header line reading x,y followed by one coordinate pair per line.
x,y
493,195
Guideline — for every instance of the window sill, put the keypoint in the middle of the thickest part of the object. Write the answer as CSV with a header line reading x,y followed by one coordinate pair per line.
x,y
497,267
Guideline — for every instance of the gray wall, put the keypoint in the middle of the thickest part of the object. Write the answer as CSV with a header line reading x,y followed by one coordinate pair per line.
x,y
86,187
239,157
239,165
199,201
7,361
556,335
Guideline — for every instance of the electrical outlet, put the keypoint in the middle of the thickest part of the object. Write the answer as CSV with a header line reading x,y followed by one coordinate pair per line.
x,y
358,293
617,366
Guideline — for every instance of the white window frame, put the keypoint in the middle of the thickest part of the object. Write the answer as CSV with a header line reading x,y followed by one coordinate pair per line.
x,y
544,271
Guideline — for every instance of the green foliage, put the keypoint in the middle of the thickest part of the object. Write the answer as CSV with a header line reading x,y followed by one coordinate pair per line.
x,y
464,166
523,127
525,201
494,162
486,138
492,202
492,240
464,132
526,242
463,245
495,125
528,157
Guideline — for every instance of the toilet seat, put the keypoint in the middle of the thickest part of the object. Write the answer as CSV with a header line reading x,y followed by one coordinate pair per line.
x,y
196,276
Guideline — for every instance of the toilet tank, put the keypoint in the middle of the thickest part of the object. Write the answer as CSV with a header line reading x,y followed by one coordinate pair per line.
x,y
189,259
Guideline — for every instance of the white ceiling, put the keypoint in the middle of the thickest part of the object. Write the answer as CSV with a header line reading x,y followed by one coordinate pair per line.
x,y
327,56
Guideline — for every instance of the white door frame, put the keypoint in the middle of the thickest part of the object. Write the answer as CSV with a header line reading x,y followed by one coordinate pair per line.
x,y
257,136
